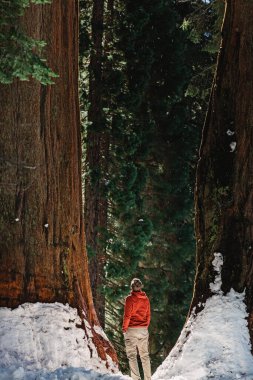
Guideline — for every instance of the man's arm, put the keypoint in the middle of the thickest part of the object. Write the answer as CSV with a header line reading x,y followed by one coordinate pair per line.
x,y
127,314
148,313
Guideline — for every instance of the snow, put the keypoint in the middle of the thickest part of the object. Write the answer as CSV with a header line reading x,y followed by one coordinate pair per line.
x,y
230,133
232,146
217,265
45,341
215,343
59,374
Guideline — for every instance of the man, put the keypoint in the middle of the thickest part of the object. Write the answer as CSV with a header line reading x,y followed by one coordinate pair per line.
x,y
135,330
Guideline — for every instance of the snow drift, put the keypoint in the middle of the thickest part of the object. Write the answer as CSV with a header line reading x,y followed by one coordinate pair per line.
x,y
45,341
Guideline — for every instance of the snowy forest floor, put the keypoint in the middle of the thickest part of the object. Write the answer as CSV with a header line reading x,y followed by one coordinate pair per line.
x,y
42,342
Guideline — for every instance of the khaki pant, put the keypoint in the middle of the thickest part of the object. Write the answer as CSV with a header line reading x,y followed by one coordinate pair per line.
x,y
137,338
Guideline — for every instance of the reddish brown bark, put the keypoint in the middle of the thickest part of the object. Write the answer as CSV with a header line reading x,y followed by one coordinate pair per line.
x,y
224,191
42,247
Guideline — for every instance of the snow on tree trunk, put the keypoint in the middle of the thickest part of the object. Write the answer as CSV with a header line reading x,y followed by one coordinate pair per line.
x,y
42,247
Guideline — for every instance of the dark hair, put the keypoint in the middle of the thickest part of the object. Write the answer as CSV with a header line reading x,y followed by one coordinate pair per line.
x,y
136,284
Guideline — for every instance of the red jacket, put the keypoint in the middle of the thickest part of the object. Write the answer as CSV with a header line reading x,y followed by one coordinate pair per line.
x,y
137,311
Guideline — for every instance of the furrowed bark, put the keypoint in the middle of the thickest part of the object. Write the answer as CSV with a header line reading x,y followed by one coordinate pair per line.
x,y
42,247
224,191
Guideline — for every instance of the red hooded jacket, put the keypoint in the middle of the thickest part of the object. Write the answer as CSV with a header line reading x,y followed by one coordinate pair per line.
x,y
137,311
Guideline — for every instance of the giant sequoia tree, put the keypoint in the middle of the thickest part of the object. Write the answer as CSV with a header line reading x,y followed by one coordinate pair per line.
x,y
224,221
42,251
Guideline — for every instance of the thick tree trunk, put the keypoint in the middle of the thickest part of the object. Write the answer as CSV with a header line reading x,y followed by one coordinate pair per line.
x,y
224,191
95,209
42,247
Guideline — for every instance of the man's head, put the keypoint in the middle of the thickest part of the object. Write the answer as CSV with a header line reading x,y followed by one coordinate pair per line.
x,y
136,284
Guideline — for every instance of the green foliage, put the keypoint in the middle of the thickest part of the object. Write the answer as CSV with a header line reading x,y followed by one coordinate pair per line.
x,y
151,172
155,91
203,23
20,55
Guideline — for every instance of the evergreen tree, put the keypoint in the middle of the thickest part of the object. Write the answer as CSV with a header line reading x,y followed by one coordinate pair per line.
x,y
20,54
157,78
202,22
120,181
152,115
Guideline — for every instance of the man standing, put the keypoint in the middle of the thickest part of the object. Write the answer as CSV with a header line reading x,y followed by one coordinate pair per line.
x,y
135,330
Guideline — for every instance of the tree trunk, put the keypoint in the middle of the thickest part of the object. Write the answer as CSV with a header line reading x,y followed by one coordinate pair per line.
x,y
42,247
224,192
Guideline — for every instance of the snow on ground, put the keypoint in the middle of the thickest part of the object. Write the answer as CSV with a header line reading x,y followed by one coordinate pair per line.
x,y
20,373
43,341
215,343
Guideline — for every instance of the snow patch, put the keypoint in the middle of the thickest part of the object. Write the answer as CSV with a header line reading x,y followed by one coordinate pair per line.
x,y
230,133
232,146
217,264
218,344
46,337
100,331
